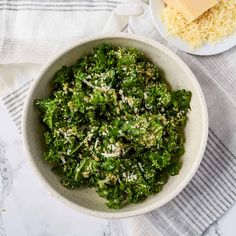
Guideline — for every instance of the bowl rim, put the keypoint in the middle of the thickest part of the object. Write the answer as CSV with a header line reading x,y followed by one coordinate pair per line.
x,y
144,209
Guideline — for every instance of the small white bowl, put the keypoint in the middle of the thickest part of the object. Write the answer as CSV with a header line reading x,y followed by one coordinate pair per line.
x,y
177,74
157,6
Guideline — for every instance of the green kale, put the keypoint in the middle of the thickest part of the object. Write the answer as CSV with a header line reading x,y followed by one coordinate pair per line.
x,y
113,124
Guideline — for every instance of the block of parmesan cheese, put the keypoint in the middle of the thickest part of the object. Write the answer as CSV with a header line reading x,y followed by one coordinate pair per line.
x,y
191,9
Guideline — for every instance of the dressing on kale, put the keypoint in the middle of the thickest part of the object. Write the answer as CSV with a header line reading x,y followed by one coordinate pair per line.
x,y
113,123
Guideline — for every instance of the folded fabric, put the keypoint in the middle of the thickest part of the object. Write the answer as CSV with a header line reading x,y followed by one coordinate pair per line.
x,y
32,33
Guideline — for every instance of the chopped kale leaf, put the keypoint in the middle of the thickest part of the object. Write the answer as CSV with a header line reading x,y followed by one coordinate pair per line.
x,y
113,123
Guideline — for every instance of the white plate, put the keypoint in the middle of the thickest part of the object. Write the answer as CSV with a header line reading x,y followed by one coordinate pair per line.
x,y
157,7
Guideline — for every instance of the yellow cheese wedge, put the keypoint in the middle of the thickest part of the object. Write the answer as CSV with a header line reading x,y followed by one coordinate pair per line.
x,y
191,9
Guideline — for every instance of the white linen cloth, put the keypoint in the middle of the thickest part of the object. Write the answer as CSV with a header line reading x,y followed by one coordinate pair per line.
x,y
32,31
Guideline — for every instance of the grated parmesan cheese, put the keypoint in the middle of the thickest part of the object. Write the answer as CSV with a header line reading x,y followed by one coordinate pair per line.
x,y
88,83
62,159
114,154
215,24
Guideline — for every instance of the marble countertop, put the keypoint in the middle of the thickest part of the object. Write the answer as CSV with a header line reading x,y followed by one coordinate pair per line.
x,y
225,226
28,209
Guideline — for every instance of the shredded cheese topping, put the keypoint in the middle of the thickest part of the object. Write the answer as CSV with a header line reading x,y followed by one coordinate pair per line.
x,y
215,24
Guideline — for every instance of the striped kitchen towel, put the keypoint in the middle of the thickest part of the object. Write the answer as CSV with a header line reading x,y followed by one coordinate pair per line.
x,y
33,31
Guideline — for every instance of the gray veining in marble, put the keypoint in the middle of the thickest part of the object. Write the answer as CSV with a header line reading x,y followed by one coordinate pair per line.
x,y
21,194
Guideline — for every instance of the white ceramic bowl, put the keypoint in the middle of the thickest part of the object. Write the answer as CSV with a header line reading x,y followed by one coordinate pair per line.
x,y
177,74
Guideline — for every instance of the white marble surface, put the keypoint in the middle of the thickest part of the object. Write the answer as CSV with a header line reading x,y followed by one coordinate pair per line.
x,y
225,226
27,209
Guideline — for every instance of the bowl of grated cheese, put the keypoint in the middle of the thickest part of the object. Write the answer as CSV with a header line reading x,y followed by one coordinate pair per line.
x,y
212,32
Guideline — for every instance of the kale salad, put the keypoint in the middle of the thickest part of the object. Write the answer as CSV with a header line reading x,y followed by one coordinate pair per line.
x,y
112,123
